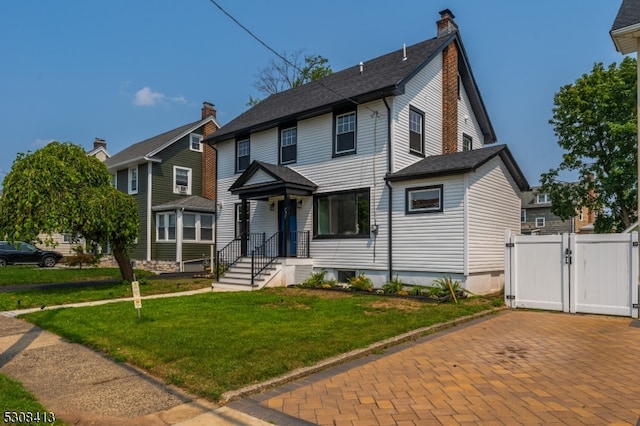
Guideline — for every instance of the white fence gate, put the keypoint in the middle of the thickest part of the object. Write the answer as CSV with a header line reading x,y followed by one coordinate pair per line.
x,y
573,273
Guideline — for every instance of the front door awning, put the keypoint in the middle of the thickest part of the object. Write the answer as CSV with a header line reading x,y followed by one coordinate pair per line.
x,y
263,180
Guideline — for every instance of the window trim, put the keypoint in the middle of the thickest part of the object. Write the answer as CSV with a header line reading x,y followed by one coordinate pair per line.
x,y
466,137
166,227
238,142
130,189
546,199
337,115
543,222
420,114
198,227
407,205
355,191
197,136
280,146
189,180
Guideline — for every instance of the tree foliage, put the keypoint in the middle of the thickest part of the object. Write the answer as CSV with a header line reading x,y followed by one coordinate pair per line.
x,y
58,189
296,70
595,120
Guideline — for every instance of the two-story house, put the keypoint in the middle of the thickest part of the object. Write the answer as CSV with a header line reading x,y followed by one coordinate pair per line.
x,y
379,169
537,219
172,178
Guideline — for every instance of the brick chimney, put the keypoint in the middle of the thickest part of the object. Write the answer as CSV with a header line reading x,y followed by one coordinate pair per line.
x,y
446,25
449,84
99,143
208,154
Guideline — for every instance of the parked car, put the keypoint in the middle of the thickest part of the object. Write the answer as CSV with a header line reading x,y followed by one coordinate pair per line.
x,y
24,253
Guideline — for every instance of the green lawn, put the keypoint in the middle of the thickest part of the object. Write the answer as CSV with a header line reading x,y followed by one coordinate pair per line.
x,y
23,299
215,342
17,403
19,275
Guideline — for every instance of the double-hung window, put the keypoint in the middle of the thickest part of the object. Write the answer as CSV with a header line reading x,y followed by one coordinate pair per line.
x,y
243,154
166,227
342,214
345,140
197,227
416,131
288,145
195,142
181,180
467,142
426,199
133,180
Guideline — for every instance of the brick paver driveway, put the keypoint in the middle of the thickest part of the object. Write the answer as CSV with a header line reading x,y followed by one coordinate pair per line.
x,y
519,367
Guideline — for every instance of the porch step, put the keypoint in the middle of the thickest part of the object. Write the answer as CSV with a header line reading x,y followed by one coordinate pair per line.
x,y
238,277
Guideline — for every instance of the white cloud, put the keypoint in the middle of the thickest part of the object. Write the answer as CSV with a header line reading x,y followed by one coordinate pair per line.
x,y
147,97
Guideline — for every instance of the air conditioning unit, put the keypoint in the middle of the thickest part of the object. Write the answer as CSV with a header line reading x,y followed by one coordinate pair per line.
x,y
181,189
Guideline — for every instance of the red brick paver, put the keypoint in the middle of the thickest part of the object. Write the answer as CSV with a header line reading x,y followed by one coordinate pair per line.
x,y
520,367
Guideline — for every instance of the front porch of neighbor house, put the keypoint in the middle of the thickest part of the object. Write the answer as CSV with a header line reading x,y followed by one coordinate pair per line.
x,y
277,251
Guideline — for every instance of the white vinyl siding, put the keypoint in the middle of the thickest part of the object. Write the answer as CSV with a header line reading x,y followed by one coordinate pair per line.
x,y
429,242
494,206
467,122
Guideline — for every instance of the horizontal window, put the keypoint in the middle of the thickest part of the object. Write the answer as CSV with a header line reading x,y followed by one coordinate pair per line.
x,y
342,214
427,199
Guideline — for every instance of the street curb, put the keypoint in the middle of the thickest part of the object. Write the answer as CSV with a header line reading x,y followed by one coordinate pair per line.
x,y
349,356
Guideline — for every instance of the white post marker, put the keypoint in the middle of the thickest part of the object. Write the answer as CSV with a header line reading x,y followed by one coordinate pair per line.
x,y
137,300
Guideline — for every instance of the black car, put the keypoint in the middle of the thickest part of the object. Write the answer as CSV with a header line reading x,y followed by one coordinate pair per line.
x,y
23,253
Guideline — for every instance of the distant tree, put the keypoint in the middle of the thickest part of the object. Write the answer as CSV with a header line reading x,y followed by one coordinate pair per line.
x,y
280,75
57,189
596,124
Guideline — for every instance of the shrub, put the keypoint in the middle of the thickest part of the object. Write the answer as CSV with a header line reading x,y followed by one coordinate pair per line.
x,y
394,286
81,258
445,287
315,280
361,283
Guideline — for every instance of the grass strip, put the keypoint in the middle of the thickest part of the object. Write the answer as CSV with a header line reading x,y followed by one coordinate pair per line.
x,y
215,342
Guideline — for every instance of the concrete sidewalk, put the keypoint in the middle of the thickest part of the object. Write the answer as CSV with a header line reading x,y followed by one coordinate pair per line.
x,y
83,387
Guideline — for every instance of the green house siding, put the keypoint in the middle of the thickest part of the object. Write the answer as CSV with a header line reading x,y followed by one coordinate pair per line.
x,y
195,250
164,251
178,154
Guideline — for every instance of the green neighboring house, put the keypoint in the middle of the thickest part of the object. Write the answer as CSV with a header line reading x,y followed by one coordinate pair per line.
x,y
172,178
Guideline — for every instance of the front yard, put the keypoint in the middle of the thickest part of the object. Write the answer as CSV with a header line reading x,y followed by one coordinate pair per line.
x,y
215,342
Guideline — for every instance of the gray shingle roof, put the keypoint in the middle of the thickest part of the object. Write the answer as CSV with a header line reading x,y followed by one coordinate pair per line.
x,y
459,163
381,77
191,203
281,174
628,15
142,149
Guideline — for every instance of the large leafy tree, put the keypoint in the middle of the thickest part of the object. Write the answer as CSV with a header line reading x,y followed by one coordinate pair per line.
x,y
291,70
58,188
596,124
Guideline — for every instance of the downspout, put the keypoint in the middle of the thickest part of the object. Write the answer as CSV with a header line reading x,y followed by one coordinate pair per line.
x,y
149,202
390,200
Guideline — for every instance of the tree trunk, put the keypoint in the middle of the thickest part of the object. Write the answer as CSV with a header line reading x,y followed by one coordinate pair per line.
x,y
121,256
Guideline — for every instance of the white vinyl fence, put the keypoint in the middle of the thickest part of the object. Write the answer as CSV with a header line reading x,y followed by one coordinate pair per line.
x,y
573,273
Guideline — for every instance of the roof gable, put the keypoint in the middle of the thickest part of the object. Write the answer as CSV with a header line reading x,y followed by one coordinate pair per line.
x,y
626,27
263,179
147,148
380,77
460,163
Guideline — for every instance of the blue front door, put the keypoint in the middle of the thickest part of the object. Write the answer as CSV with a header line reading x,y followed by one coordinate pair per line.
x,y
287,214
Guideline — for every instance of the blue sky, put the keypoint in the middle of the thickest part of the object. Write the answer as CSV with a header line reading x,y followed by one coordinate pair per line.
x,y
127,70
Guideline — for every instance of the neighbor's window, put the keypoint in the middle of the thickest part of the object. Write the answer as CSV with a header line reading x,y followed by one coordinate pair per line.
x,y
166,227
543,198
345,141
288,145
467,142
427,199
342,214
133,180
523,215
195,142
539,222
243,154
416,131
197,227
181,180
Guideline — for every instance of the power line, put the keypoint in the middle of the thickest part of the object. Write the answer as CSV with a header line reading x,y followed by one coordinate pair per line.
x,y
259,40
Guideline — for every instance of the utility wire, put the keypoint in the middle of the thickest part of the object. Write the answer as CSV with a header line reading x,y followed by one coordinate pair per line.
x,y
259,40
